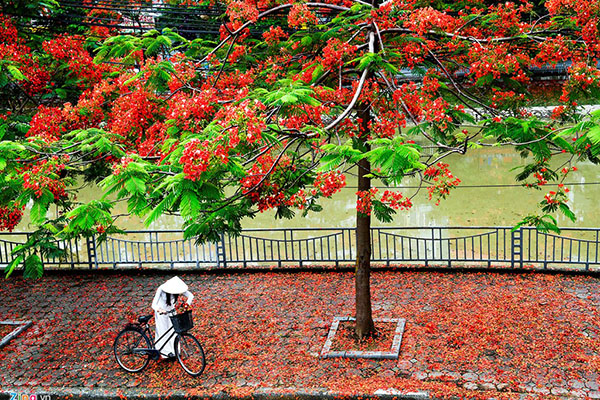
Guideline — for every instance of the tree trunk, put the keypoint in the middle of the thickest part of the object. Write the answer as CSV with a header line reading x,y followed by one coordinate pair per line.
x,y
364,319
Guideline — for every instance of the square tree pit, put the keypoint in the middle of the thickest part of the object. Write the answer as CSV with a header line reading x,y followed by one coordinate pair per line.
x,y
392,354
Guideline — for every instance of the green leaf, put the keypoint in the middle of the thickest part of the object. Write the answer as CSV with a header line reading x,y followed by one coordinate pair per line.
x,y
330,162
365,60
484,80
33,268
563,144
135,185
15,72
189,204
163,206
236,168
317,72
567,211
40,207
62,93
307,40
594,135
382,212
210,191
545,223
133,78
289,99
13,265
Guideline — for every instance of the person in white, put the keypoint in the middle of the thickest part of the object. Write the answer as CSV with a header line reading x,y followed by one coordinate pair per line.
x,y
164,301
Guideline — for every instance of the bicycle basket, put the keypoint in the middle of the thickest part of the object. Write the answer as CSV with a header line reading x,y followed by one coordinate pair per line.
x,y
182,322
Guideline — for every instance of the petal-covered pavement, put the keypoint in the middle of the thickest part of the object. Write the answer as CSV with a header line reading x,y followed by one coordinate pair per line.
x,y
468,335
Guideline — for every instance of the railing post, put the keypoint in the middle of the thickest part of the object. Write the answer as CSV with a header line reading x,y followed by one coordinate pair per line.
x,y
516,244
221,258
432,243
91,251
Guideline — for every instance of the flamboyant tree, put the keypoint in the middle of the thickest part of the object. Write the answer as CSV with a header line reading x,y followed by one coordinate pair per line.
x,y
293,95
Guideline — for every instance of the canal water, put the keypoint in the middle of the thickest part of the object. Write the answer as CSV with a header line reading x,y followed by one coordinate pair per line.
x,y
487,196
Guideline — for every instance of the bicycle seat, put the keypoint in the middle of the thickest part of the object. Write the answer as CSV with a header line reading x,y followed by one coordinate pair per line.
x,y
144,319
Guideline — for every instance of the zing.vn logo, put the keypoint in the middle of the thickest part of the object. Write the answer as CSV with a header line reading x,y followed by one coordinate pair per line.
x,y
24,396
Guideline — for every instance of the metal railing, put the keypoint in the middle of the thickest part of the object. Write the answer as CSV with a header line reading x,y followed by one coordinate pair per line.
x,y
494,247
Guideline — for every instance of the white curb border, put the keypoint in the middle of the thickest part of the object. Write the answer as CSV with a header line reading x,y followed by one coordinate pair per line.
x,y
380,355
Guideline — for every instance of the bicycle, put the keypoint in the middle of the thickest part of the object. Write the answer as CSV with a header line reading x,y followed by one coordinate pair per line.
x,y
133,348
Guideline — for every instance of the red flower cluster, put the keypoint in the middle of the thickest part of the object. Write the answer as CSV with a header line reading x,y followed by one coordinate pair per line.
x,y
557,197
10,217
336,52
13,50
184,70
242,122
89,110
69,49
329,183
497,61
558,112
388,124
425,19
552,51
396,200
187,112
300,16
182,306
364,201
238,51
106,20
240,12
44,175
274,35
365,198
195,159
507,98
47,124
585,14
443,181
132,115
582,78
259,188
297,200
436,111
247,116
541,180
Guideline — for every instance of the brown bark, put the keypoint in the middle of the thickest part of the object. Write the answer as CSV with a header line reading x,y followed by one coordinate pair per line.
x,y
364,319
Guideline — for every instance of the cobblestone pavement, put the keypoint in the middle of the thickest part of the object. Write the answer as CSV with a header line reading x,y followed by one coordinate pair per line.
x,y
471,335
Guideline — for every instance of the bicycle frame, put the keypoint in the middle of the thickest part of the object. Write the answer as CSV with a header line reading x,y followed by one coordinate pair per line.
x,y
172,332
154,351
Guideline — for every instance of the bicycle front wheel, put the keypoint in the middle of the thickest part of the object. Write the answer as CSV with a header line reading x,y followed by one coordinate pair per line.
x,y
190,354
127,346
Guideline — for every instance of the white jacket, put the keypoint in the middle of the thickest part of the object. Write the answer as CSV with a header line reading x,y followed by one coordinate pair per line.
x,y
163,322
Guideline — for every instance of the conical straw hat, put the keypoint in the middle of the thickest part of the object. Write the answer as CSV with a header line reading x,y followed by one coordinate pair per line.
x,y
174,286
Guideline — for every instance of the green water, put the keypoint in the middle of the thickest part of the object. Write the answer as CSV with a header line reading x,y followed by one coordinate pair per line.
x,y
466,206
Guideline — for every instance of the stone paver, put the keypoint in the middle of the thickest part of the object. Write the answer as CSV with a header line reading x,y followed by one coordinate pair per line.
x,y
263,332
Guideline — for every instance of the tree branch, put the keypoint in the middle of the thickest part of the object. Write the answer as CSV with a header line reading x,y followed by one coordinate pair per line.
x,y
361,84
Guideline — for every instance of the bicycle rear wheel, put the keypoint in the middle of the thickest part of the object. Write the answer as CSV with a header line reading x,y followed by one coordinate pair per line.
x,y
125,345
190,354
